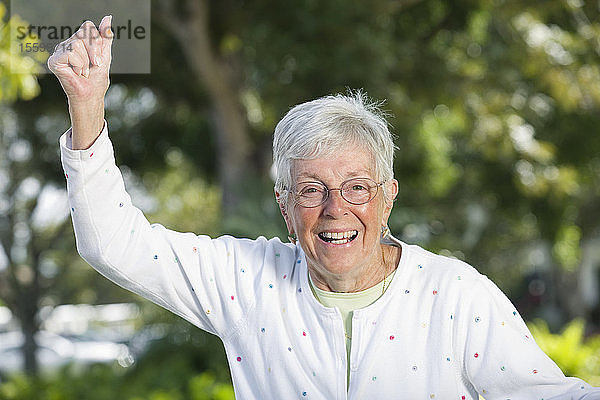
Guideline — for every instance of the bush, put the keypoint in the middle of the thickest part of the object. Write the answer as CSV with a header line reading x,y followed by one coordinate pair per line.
x,y
574,354
171,369
103,382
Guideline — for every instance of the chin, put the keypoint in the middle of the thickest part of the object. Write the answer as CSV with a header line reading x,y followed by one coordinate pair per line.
x,y
339,263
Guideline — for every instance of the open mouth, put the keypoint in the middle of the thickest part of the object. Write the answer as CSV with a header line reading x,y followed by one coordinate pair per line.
x,y
338,237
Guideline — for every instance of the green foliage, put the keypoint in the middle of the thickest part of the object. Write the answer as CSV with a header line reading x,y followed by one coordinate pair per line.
x,y
185,202
575,355
205,387
180,367
102,382
567,246
17,70
435,137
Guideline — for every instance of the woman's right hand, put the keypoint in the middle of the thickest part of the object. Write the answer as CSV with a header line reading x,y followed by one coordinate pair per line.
x,y
82,63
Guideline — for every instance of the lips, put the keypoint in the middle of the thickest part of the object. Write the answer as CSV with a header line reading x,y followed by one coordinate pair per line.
x,y
338,237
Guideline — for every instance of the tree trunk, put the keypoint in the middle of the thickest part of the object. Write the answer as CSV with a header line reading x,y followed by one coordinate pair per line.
x,y
26,291
212,71
29,327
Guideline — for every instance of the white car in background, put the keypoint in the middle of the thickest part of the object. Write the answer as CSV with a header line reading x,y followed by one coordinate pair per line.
x,y
72,334
56,351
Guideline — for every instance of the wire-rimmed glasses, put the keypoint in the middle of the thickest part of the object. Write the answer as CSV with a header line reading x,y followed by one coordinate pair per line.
x,y
355,191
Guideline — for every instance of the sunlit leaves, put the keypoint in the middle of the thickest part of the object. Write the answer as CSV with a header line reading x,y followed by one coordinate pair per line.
x,y
17,69
574,354
184,201
435,136
567,250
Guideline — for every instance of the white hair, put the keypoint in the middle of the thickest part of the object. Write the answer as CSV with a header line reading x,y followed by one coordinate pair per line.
x,y
320,127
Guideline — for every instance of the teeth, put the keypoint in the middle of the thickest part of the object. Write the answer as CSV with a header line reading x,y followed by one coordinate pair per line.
x,y
340,241
338,235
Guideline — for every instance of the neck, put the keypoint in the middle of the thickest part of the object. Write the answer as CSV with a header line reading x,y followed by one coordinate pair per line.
x,y
385,263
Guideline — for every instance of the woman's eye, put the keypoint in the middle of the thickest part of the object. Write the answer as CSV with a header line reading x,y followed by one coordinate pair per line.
x,y
310,190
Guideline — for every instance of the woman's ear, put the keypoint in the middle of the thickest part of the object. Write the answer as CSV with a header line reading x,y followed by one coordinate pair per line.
x,y
390,194
282,202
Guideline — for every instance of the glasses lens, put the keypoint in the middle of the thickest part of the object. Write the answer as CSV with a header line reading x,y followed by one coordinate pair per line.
x,y
310,194
359,190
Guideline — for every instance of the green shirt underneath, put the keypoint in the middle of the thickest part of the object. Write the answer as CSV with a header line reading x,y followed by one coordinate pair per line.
x,y
346,303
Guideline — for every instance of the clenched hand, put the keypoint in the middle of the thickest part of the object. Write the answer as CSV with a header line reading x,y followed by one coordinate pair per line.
x,y
82,64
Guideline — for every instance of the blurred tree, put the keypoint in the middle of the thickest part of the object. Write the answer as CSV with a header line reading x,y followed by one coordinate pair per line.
x,y
495,105
502,163
38,263
19,190
188,23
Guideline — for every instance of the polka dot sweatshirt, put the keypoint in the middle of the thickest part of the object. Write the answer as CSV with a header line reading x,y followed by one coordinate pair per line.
x,y
440,331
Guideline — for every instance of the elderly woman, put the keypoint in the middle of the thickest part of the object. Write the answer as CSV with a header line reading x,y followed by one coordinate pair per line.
x,y
343,311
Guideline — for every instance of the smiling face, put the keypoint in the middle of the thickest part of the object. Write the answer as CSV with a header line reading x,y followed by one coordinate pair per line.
x,y
340,240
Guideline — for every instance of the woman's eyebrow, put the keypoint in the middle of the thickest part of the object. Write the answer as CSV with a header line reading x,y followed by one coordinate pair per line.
x,y
303,176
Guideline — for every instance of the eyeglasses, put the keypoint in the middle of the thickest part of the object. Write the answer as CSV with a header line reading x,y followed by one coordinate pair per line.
x,y
355,191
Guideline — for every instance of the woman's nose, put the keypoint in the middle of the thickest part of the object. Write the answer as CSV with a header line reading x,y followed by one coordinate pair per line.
x,y
335,204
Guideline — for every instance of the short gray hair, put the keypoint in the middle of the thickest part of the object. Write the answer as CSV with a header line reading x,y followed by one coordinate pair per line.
x,y
319,127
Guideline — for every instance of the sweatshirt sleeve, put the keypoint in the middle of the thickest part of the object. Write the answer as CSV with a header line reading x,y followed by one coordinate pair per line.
x,y
501,358
196,277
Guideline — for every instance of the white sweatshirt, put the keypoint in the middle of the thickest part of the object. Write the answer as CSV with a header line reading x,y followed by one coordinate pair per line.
x,y
440,331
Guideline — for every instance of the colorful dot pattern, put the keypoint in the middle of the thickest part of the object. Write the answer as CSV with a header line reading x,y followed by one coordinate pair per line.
x,y
392,337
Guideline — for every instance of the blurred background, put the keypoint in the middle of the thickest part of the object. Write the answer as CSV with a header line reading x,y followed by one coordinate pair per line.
x,y
495,105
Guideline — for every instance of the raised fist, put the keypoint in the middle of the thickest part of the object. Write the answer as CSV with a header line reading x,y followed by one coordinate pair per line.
x,y
82,62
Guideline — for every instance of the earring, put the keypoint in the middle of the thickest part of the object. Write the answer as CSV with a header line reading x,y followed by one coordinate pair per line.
x,y
384,231
292,238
